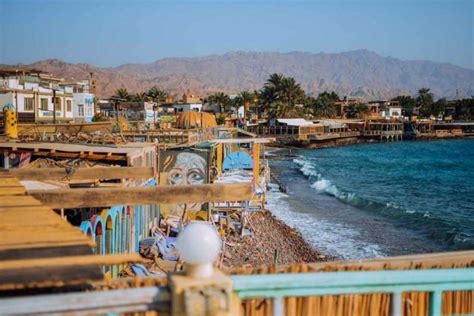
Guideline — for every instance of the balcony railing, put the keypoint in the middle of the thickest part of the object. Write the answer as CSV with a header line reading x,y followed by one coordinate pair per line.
x,y
280,286
277,287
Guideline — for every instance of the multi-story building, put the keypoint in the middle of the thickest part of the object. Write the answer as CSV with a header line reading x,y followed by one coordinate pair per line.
x,y
36,96
388,109
84,101
343,105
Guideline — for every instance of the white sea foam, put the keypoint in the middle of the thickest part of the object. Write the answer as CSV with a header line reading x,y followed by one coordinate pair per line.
x,y
321,184
334,239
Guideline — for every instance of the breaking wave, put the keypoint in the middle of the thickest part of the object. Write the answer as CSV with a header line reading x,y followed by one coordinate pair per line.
x,y
323,185
331,238
452,233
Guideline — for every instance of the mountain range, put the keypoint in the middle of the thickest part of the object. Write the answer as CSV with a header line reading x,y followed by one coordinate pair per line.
x,y
357,73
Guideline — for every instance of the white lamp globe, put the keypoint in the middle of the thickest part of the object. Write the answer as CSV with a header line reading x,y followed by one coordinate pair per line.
x,y
199,243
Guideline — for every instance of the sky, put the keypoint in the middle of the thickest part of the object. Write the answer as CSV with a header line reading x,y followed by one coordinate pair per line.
x,y
110,33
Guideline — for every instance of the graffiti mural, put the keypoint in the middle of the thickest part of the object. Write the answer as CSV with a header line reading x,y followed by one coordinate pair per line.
x,y
188,167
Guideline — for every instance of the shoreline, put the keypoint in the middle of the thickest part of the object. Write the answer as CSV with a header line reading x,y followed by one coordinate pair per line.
x,y
270,235
355,141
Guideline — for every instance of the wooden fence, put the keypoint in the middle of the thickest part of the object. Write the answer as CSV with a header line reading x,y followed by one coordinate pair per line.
x,y
325,293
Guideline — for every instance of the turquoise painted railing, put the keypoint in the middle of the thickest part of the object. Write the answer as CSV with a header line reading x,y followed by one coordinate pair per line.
x,y
276,286
279,286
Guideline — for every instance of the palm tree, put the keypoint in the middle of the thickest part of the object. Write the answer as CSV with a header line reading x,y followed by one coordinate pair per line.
x,y
407,102
156,94
424,101
280,95
292,92
220,99
122,93
323,105
139,97
357,110
245,99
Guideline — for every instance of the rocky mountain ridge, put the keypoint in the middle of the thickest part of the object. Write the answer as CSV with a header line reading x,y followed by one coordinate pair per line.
x,y
359,73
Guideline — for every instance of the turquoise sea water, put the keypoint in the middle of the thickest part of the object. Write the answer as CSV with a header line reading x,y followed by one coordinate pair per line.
x,y
372,200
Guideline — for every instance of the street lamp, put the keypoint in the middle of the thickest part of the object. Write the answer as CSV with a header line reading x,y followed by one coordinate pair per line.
x,y
199,245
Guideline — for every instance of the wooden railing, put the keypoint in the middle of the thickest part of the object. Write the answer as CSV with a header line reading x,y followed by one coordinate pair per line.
x,y
276,287
383,133
173,136
274,130
279,286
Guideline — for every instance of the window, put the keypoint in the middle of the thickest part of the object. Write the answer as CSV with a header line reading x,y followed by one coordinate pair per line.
x,y
44,104
80,109
58,104
29,104
68,105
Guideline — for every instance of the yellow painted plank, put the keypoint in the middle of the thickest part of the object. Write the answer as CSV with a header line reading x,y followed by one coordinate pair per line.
x,y
18,201
9,181
12,190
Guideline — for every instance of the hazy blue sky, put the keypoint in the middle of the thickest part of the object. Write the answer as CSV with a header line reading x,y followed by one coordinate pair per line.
x,y
109,33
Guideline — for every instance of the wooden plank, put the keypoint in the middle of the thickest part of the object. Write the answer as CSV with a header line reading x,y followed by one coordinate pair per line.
x,y
98,197
90,303
51,238
48,277
58,174
18,190
47,244
45,252
70,261
442,259
7,180
37,210
18,201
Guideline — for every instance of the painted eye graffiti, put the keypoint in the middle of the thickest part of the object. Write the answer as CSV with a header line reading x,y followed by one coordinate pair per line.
x,y
195,177
175,178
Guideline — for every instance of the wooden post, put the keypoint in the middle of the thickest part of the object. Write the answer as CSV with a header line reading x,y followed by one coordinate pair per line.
x,y
256,163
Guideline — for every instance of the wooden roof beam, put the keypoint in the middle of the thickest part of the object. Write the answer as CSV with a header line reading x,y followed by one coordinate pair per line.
x,y
101,197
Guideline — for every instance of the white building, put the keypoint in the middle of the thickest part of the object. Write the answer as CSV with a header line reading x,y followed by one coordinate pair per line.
x,y
183,107
32,93
391,110
83,105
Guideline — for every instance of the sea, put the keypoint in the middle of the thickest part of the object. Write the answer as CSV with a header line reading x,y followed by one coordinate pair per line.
x,y
378,199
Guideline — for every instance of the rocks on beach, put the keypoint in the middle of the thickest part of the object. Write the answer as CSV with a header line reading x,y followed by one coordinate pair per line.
x,y
271,236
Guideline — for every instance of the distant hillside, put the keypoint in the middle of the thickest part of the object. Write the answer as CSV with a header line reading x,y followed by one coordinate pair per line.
x,y
361,73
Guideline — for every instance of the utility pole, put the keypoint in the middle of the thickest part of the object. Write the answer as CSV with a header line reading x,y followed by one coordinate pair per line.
x,y
54,106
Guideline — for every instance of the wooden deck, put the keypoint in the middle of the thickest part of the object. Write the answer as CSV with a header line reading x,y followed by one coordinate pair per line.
x,y
39,249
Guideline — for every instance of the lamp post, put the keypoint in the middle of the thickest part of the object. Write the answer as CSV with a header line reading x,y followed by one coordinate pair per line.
x,y
201,289
199,245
